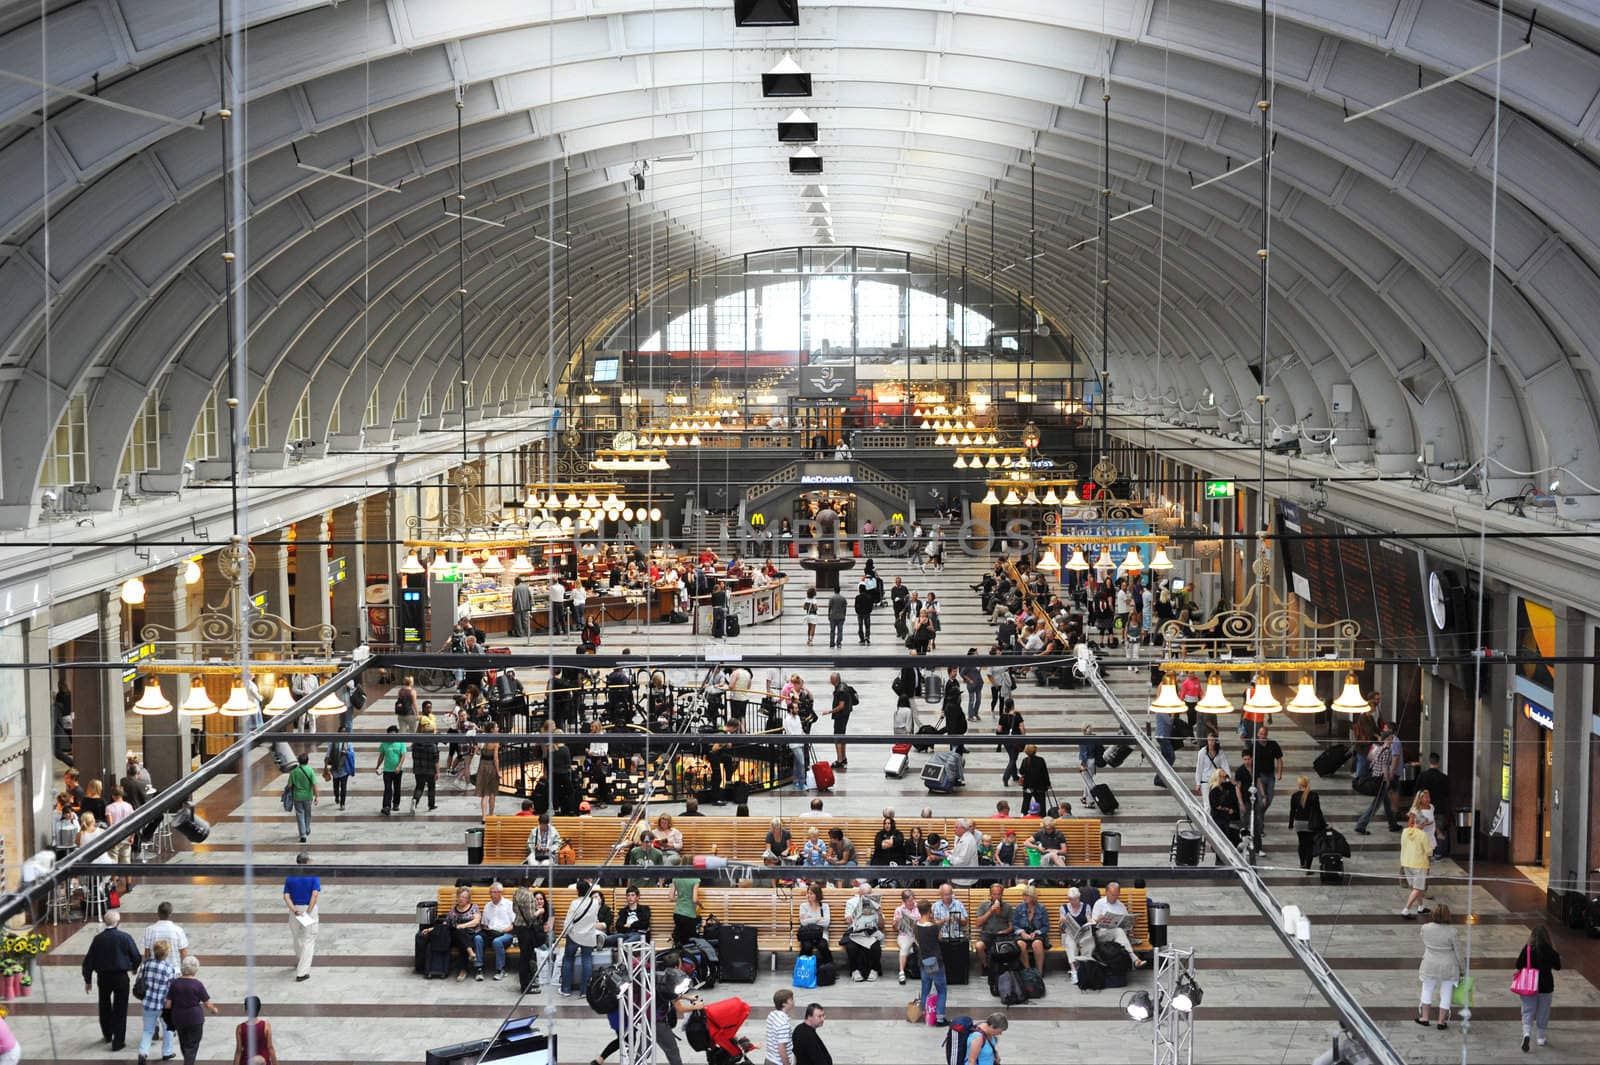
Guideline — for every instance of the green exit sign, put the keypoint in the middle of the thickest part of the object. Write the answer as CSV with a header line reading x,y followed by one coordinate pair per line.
x,y
1219,489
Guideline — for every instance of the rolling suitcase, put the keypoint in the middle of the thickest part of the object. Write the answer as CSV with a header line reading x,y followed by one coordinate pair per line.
x,y
822,772
1118,755
1331,760
899,761
1332,867
942,773
1105,800
957,960
731,626
436,963
925,730
736,952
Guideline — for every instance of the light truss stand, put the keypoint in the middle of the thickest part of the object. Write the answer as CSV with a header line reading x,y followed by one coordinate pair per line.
x,y
1172,1037
636,1034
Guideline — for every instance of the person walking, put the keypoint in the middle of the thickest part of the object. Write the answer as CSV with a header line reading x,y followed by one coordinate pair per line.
x,y
955,716
521,608
488,778
1539,955
983,1046
391,756
838,607
844,701
339,765
303,795
809,609
583,933
158,974
187,1003
405,706
424,767
1010,723
1416,857
1305,819
808,1047
1441,967
779,1046
300,896
1384,767
866,599
1035,776
972,680
252,1038
112,957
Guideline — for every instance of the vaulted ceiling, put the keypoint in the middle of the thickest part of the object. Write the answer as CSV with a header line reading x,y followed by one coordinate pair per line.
x,y
931,112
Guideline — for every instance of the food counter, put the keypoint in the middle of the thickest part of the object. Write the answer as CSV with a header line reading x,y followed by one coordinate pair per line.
x,y
752,606
489,600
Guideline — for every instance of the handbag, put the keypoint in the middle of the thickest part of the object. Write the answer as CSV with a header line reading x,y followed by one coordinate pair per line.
x,y
288,796
1461,995
140,989
1300,824
805,971
1526,982
914,1011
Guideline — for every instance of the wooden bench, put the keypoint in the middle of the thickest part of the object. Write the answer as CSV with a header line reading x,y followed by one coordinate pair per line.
x,y
775,912
743,839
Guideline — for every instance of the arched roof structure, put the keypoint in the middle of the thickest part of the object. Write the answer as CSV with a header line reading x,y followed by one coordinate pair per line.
x,y
930,111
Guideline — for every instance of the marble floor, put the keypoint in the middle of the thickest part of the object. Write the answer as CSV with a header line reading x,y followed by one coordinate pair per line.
x,y
363,1004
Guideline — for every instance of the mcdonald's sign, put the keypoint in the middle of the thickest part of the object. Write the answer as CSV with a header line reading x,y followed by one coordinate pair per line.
x,y
897,516
758,519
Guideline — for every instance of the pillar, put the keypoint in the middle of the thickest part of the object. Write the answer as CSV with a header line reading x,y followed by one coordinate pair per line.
x,y
272,572
347,529
166,738
99,733
311,572
1569,795
40,687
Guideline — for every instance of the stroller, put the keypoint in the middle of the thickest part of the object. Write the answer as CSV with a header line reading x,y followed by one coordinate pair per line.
x,y
714,1030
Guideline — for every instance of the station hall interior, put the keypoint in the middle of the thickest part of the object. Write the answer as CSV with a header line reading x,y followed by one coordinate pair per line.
x,y
795,531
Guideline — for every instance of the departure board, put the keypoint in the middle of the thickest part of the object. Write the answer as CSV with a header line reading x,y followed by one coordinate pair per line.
x,y
1355,572
1397,587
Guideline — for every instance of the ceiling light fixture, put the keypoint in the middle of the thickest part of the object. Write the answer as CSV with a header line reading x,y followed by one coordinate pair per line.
x,y
786,79
797,128
750,13
152,703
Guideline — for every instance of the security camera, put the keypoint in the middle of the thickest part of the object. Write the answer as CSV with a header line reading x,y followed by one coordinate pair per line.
x,y
188,469
48,498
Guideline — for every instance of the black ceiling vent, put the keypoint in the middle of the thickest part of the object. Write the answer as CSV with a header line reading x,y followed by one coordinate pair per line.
x,y
786,79
766,12
805,164
797,129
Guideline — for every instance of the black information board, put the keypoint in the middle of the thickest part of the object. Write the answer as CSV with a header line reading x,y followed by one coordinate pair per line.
x,y
1400,596
1376,583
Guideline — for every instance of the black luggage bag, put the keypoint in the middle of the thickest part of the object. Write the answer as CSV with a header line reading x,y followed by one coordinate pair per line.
x,y
1105,800
736,953
957,960
1331,760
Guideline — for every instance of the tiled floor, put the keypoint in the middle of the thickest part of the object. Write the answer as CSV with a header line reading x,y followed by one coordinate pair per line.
x,y
363,1003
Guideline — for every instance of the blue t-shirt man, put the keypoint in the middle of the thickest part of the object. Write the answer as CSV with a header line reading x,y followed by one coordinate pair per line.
x,y
300,889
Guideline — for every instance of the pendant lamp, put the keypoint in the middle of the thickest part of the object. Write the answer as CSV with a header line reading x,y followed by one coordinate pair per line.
x,y
331,703
239,703
1032,498
469,568
1305,699
191,572
1049,563
152,703
1350,701
1167,700
132,591
1050,497
1261,700
992,463
961,462
571,501
199,703
411,563
521,564
1159,562
282,699
1071,499
1131,563
1104,561
990,499
492,564
1077,563
1214,701
1012,499
592,502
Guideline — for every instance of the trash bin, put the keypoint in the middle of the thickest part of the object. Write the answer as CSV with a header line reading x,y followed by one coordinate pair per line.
x,y
475,845
1156,915
1188,845
427,913
1464,827
1110,844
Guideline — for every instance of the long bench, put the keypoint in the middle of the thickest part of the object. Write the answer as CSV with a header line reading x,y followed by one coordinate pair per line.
x,y
744,838
775,912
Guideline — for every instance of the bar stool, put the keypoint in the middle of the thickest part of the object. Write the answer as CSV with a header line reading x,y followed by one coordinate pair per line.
x,y
163,837
94,898
58,910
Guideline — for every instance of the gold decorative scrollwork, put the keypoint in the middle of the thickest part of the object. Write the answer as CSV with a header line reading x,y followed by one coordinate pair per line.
x,y
1262,625
229,558
217,625
1104,472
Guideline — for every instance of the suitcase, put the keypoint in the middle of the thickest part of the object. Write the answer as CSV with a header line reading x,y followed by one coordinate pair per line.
x,y
731,626
419,951
736,953
942,773
1331,760
1032,983
436,960
1105,800
1118,755
899,761
957,960
1332,866
827,974
822,772
925,730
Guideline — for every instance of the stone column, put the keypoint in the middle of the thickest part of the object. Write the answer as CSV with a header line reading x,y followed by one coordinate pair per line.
x,y
349,527
311,603
99,733
272,572
1568,815
166,738
40,687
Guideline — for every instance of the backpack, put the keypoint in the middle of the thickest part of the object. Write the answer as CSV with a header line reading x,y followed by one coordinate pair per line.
x,y
697,1032
808,710
358,698
955,1040
1032,983
1111,956
605,989
898,685
1010,987
850,696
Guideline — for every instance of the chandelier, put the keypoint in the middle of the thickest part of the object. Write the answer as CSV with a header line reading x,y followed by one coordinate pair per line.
x,y
637,460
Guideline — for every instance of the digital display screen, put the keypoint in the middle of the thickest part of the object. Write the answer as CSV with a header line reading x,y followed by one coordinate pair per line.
x,y
605,370
1377,583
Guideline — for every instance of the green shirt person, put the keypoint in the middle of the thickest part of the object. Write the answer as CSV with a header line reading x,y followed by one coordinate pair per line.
x,y
391,754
